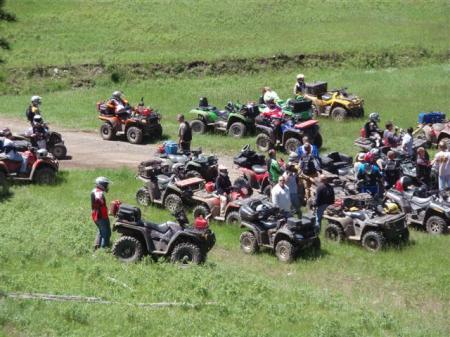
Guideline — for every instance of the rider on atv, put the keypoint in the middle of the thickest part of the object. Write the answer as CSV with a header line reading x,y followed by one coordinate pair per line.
x,y
223,188
371,129
33,108
300,86
119,105
369,175
10,150
40,132
390,137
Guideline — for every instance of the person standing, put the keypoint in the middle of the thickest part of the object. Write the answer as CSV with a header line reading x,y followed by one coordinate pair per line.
x,y
281,196
391,170
273,166
324,198
407,142
184,134
100,212
292,181
441,162
310,168
301,148
423,166
223,188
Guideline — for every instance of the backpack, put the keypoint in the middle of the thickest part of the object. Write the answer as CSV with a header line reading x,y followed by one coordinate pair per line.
x,y
187,136
308,166
391,171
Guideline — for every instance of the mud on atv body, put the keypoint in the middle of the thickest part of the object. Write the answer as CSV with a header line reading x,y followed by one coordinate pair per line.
x,y
173,240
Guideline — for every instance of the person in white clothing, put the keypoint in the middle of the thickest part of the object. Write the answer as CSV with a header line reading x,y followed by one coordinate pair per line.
x,y
281,196
441,162
407,142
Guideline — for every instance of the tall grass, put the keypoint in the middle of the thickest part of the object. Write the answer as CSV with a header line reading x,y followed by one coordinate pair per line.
x,y
73,32
45,246
398,94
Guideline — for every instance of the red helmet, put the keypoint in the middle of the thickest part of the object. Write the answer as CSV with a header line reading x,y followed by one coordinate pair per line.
x,y
369,157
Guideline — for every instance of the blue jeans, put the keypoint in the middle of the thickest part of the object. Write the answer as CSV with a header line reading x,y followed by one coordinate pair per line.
x,y
444,182
319,214
104,233
295,202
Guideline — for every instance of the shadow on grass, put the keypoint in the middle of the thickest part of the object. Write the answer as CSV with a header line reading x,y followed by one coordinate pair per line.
x,y
6,195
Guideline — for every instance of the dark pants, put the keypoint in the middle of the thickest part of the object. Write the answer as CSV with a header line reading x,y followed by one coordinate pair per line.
x,y
185,146
104,233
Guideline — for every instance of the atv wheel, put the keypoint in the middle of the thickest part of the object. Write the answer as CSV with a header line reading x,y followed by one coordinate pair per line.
x,y
186,253
45,176
267,191
291,145
197,126
334,232
193,174
127,249
237,130
107,131
318,141
201,210
173,203
4,188
233,218
263,142
373,241
59,151
142,197
338,114
134,135
285,251
249,245
436,225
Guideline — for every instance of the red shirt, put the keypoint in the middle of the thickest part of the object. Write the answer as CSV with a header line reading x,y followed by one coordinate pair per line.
x,y
98,204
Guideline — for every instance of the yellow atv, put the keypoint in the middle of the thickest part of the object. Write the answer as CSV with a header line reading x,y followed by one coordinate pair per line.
x,y
336,103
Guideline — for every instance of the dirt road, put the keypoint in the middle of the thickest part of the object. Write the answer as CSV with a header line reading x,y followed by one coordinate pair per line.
x,y
88,150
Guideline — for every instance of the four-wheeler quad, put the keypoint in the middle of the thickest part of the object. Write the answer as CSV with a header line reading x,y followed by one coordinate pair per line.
x,y
435,133
174,240
289,135
171,192
55,143
196,164
267,227
428,211
253,169
208,203
236,120
135,123
41,167
369,225
299,109
337,104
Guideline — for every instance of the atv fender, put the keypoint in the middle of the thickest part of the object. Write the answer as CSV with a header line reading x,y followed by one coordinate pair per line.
x,y
442,135
139,232
256,232
40,163
264,129
340,103
283,234
192,164
233,118
182,236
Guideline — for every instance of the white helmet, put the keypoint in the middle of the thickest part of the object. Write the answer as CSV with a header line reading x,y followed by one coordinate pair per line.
x,y
38,119
293,157
270,96
102,183
36,99
117,94
300,76
374,116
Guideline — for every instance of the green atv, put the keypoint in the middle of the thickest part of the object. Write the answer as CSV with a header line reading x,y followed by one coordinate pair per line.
x,y
236,120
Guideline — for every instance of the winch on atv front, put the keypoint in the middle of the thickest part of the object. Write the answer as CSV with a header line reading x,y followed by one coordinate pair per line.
x,y
337,104
42,167
267,227
236,120
136,123
177,241
169,191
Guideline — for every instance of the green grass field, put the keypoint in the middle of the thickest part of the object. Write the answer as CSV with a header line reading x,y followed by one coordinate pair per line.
x,y
344,292
81,31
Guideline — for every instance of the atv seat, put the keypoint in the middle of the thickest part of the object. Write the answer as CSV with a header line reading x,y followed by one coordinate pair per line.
x,y
163,179
178,158
259,169
268,224
421,202
326,96
163,228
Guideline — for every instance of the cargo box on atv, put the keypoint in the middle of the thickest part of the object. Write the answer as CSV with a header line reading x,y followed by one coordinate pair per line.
x,y
150,168
129,213
316,88
299,106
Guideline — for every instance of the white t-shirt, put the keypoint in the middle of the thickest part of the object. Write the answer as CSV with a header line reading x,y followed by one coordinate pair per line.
x,y
442,163
407,144
281,197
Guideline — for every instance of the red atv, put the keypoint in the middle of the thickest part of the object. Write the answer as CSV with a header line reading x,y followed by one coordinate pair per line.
x,y
252,167
208,203
41,167
134,122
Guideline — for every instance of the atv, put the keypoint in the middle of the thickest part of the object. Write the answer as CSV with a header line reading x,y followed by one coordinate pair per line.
x,y
173,240
196,164
337,104
289,136
41,167
252,167
267,227
236,120
170,191
299,109
370,226
426,210
135,123
208,203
